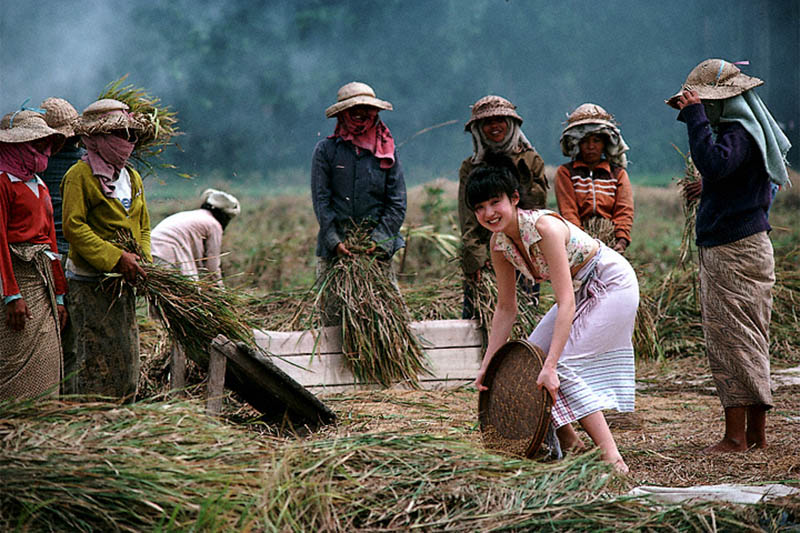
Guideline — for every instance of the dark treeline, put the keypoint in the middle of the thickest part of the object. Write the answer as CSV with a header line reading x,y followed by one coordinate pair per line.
x,y
250,79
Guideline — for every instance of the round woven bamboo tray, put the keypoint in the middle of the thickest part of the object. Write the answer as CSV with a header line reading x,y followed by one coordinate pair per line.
x,y
513,413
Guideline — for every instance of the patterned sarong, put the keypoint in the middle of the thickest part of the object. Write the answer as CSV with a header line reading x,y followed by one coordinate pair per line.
x,y
596,368
30,360
736,281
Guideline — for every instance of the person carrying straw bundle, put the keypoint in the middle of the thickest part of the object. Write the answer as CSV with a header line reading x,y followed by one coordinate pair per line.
x,y
496,130
739,151
357,180
587,334
593,190
32,280
101,196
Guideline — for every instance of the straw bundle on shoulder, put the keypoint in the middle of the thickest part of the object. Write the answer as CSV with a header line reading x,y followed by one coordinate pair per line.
x,y
193,311
159,121
377,340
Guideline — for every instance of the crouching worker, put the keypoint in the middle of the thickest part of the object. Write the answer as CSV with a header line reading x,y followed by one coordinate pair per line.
x,y
101,195
739,150
31,276
587,334
191,241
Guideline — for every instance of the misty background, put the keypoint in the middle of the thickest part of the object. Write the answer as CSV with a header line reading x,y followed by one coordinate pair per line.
x,y
250,79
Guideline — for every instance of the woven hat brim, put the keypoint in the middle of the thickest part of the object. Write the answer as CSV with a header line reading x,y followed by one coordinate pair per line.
x,y
718,92
21,134
67,130
497,112
338,107
598,121
107,123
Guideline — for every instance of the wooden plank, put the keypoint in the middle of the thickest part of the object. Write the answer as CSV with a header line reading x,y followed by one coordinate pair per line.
x,y
268,389
177,367
216,380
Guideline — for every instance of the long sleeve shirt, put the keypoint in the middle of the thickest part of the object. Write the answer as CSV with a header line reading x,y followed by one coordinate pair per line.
x,y
349,187
26,216
190,240
604,191
735,196
91,220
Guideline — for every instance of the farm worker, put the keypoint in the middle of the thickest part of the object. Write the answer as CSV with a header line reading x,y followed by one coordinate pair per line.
x,y
31,276
192,240
496,129
587,334
101,196
739,151
356,179
593,190
60,115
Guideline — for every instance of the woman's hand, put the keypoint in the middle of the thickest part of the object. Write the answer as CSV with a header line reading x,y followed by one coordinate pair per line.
x,y
62,316
341,250
17,314
128,266
548,378
687,98
621,245
479,380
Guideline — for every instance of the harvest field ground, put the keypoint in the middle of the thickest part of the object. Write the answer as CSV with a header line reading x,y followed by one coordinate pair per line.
x,y
399,459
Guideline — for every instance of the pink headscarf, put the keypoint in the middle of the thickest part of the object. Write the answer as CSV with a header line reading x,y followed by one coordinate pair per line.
x,y
106,154
22,159
370,134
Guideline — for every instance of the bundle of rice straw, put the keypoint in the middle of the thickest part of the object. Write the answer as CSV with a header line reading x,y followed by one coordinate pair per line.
x,y
193,311
159,121
377,342
691,176
484,297
600,228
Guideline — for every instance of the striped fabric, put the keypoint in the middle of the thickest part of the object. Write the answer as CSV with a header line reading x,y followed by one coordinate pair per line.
x,y
598,186
596,368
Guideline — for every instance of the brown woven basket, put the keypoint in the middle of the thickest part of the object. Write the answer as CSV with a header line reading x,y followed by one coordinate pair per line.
x,y
514,413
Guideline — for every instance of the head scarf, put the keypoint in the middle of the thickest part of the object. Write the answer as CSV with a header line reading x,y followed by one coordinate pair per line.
x,y
748,110
615,145
106,154
513,143
22,159
371,135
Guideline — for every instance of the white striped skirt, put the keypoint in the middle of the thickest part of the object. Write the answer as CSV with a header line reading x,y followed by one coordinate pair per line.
x,y
596,368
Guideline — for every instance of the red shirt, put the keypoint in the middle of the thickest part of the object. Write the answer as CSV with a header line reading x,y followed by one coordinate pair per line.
x,y
24,217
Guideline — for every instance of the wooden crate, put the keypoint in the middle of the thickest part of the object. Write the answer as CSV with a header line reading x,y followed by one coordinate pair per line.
x,y
454,348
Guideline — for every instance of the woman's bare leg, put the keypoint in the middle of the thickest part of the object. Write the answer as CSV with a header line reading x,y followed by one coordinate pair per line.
x,y
596,426
569,439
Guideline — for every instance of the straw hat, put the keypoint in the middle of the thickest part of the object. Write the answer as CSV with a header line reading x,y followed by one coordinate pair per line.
x,y
23,126
492,106
60,115
589,113
105,116
353,94
716,79
227,203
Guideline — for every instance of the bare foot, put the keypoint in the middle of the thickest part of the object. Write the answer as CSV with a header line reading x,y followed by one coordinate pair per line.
x,y
726,445
756,443
618,463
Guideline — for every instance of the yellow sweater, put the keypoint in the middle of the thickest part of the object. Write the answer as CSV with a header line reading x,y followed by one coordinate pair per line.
x,y
91,220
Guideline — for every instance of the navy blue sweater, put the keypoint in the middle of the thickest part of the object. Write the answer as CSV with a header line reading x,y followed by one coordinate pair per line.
x,y
736,191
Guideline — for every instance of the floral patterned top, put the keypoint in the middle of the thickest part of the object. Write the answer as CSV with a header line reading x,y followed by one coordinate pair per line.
x,y
579,248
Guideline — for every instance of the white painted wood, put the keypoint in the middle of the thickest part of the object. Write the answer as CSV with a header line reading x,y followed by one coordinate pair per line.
x,y
452,346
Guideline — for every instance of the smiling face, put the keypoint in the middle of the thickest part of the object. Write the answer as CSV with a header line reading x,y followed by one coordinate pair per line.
x,y
496,213
495,128
592,148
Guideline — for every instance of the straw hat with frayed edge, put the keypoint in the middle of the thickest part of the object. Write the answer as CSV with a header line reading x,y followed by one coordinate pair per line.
x,y
105,116
492,106
353,94
589,113
227,203
60,115
716,79
24,126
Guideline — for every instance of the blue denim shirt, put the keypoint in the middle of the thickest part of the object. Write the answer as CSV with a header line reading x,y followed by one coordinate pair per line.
x,y
349,187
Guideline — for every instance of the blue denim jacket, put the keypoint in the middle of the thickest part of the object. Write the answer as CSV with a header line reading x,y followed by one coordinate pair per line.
x,y
349,187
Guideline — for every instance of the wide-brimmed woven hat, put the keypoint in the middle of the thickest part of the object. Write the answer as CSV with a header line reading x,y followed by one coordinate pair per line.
x,y
227,203
23,126
105,116
589,113
353,94
492,106
716,79
60,115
